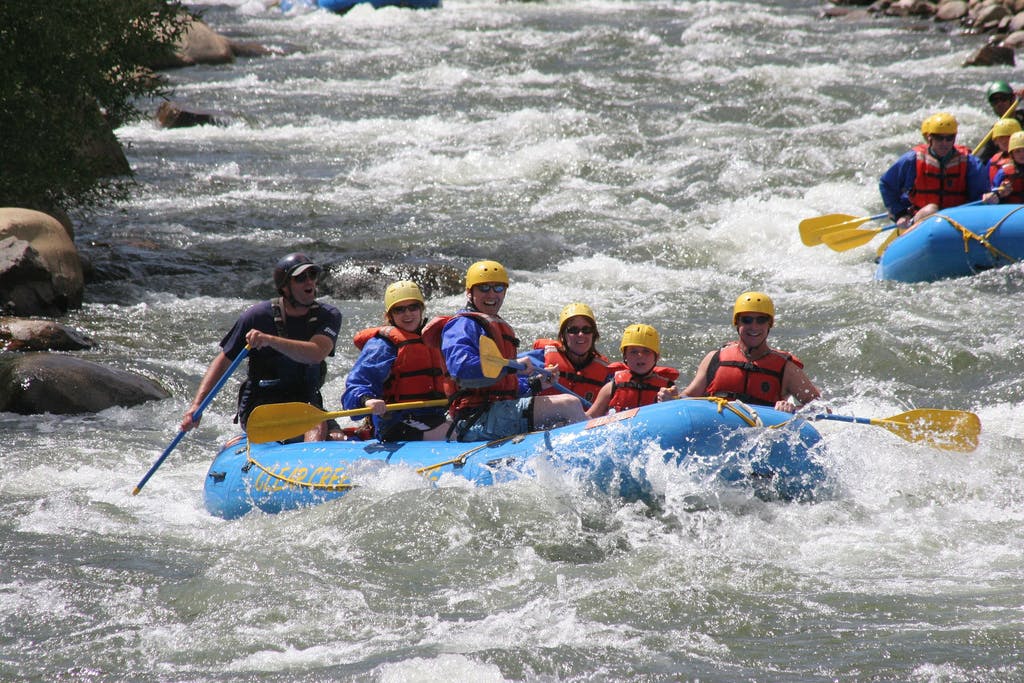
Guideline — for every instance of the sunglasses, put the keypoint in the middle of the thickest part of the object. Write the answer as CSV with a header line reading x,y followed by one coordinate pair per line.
x,y
586,329
1000,98
306,275
402,309
498,289
944,138
751,319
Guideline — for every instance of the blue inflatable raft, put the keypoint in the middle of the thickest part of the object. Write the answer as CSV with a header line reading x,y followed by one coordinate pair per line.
x,y
956,242
342,6
712,439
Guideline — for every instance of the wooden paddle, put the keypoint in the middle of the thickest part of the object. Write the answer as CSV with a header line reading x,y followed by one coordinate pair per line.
x,y
813,229
196,416
951,430
492,363
280,421
1006,114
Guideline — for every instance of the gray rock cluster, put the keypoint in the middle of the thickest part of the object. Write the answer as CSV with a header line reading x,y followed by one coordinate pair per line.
x,y
1003,20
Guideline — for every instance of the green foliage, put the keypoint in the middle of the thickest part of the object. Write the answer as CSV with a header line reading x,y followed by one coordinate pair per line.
x,y
70,71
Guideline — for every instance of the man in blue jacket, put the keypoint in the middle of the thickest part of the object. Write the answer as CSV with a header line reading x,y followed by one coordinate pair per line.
x,y
934,175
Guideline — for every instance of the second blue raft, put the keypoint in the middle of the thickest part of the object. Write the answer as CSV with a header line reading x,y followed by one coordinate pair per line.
x,y
726,442
956,242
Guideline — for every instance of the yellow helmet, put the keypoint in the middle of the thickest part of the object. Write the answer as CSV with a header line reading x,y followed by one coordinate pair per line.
x,y
753,302
574,309
1004,127
942,123
1016,141
641,335
486,271
403,290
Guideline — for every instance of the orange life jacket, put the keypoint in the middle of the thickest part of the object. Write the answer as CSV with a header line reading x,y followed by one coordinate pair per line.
x,y
585,381
630,391
731,375
466,395
1012,173
937,184
999,160
418,371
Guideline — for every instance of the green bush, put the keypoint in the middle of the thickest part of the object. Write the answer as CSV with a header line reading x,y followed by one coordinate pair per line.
x,y
70,72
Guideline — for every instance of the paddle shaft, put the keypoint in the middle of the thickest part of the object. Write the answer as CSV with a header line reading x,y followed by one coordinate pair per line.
x,y
845,240
547,373
195,417
988,136
953,430
279,421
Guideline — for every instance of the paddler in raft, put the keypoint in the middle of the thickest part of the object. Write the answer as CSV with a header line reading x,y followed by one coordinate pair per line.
x,y
396,366
643,381
1008,184
289,337
581,367
934,175
484,408
748,369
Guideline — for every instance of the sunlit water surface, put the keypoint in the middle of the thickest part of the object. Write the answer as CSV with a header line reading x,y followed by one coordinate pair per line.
x,y
653,159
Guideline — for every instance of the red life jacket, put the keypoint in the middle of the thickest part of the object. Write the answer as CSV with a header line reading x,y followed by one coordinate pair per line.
x,y
464,397
999,160
585,381
936,184
1016,178
418,371
630,391
732,376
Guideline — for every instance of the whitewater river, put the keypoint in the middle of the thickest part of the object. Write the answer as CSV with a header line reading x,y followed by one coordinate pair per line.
x,y
653,159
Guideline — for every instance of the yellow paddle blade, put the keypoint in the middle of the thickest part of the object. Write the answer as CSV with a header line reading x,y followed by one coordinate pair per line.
x,y
813,229
491,360
951,430
844,240
279,421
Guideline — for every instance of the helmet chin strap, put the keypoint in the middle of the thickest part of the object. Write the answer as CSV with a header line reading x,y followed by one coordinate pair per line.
x,y
292,301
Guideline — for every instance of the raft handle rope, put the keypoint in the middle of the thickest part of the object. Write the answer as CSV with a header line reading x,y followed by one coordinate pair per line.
x,y
983,240
292,482
457,461
748,414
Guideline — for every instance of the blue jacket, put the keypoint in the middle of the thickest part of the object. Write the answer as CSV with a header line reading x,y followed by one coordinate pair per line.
x,y
460,345
366,380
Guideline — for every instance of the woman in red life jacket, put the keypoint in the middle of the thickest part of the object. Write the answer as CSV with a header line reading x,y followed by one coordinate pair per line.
x,y
748,369
643,381
396,366
1008,185
1001,132
581,367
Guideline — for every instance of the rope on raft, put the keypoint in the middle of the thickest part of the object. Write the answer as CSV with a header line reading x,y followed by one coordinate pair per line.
x,y
983,239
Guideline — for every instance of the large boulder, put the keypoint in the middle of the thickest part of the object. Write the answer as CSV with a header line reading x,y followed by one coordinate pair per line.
x,y
22,334
40,272
199,44
33,383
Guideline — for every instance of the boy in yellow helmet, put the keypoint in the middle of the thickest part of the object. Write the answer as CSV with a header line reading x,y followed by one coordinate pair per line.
x,y
643,382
